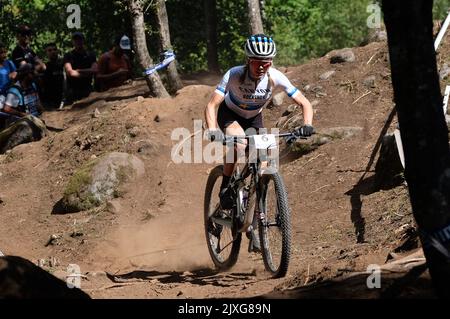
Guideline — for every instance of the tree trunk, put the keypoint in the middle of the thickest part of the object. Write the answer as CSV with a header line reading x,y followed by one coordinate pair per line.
x,y
211,35
254,14
423,129
154,82
164,37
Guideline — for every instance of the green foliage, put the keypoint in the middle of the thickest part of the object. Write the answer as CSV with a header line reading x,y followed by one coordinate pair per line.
x,y
319,27
302,29
440,9
48,19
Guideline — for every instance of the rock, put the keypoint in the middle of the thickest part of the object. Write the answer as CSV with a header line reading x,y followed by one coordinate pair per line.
x,y
157,118
148,147
53,238
315,103
140,98
295,121
96,113
317,88
281,121
1,198
28,281
341,132
307,87
386,75
25,130
1,254
99,180
327,75
278,98
377,35
76,234
113,206
291,108
444,72
323,137
341,56
369,82
134,131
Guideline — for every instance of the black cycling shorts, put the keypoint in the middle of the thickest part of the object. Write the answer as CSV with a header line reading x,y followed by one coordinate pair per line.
x,y
225,117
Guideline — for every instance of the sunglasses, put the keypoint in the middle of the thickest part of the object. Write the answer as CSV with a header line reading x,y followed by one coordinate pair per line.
x,y
261,63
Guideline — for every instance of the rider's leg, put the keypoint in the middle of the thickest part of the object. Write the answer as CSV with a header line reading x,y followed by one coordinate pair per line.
x,y
237,152
231,157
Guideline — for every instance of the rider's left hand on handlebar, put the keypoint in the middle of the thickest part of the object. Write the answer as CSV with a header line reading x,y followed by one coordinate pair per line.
x,y
215,135
305,130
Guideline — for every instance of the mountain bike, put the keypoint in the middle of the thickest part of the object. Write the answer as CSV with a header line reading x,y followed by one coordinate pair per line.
x,y
260,201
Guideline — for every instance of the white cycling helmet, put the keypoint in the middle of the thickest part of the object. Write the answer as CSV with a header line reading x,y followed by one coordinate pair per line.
x,y
260,46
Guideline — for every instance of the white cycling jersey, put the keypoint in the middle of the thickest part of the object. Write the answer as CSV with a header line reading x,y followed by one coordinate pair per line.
x,y
248,99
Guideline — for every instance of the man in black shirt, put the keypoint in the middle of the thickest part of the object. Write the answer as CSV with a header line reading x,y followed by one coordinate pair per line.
x,y
53,78
22,53
80,67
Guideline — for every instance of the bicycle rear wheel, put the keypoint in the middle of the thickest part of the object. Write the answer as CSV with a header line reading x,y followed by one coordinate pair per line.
x,y
222,248
274,225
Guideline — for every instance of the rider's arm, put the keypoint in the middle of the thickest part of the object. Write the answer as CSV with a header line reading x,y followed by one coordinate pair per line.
x,y
210,110
281,80
308,112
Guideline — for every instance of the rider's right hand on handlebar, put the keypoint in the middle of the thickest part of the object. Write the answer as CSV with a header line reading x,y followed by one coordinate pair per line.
x,y
215,135
304,131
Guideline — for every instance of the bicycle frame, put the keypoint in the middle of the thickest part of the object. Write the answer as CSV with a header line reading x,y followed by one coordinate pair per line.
x,y
243,219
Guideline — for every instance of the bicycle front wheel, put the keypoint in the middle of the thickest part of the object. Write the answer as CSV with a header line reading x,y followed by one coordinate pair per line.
x,y
274,225
222,247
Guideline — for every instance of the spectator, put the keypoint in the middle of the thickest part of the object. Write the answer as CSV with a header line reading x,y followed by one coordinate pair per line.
x,y
22,97
53,78
7,70
125,44
114,66
22,53
80,67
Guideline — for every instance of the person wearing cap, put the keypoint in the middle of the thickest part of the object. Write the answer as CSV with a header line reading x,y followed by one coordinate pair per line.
x,y
22,53
22,98
80,66
114,67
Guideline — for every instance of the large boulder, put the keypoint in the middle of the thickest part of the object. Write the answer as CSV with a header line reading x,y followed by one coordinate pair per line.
x,y
21,279
324,136
99,180
341,56
25,130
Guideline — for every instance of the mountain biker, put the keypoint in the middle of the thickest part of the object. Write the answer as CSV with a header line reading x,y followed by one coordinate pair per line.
x,y
242,95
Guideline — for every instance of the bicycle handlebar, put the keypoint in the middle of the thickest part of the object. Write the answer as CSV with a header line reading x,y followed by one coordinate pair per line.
x,y
237,138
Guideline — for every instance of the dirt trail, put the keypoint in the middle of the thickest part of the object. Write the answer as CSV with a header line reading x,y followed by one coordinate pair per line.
x,y
151,245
